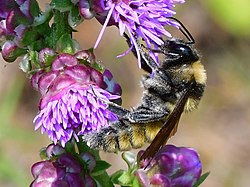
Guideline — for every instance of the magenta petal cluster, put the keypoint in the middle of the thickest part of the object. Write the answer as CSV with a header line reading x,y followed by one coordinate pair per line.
x,y
15,18
65,171
62,169
73,100
139,18
15,14
172,167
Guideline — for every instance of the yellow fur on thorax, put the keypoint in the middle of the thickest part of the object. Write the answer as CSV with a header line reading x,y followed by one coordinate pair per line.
x,y
191,104
199,75
199,72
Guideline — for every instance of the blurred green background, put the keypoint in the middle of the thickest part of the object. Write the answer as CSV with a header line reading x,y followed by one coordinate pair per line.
x,y
219,129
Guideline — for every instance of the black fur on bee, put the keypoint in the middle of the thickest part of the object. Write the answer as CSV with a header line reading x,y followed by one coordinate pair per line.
x,y
174,85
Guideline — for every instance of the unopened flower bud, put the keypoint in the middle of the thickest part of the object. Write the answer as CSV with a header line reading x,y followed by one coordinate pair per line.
x,y
10,51
85,9
172,166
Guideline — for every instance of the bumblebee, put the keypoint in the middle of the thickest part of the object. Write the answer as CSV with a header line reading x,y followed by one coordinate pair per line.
x,y
174,85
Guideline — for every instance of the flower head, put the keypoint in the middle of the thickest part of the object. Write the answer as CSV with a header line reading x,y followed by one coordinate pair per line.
x,y
172,166
63,169
139,18
73,99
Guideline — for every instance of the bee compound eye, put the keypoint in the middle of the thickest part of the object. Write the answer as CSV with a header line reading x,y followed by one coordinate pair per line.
x,y
182,50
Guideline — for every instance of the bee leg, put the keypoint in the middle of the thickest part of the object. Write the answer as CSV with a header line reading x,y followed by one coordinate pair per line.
x,y
113,107
137,115
145,116
117,109
147,63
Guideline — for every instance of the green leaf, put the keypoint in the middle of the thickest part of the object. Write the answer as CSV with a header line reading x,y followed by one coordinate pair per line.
x,y
34,37
43,17
49,60
34,8
101,166
74,18
115,176
122,178
70,147
30,38
201,179
103,180
136,182
62,5
66,44
60,29
82,148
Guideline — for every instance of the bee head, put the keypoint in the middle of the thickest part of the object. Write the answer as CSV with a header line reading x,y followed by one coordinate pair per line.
x,y
178,52
181,64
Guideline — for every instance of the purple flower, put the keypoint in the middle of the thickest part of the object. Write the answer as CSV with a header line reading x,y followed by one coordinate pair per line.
x,y
15,18
139,18
72,100
63,169
171,167
14,13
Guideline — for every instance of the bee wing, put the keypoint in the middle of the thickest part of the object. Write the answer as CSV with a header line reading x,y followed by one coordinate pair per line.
x,y
168,129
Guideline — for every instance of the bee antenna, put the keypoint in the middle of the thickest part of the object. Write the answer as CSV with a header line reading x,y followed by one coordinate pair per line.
x,y
184,31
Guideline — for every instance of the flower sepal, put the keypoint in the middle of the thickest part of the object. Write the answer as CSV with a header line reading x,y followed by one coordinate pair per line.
x,y
201,179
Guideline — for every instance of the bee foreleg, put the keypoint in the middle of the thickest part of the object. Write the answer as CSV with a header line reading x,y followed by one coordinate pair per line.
x,y
147,62
113,107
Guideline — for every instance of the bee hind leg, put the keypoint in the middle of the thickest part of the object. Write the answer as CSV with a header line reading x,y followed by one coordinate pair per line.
x,y
145,116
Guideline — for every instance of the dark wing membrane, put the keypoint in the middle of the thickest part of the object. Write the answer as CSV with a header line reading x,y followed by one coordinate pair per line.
x,y
168,128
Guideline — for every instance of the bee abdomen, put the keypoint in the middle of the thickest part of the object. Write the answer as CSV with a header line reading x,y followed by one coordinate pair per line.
x,y
121,136
152,129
